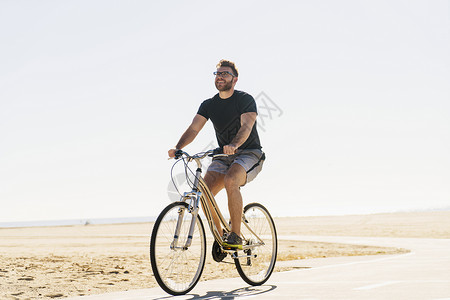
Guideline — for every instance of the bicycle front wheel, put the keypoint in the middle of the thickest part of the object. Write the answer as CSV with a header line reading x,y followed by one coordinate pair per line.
x,y
177,267
256,263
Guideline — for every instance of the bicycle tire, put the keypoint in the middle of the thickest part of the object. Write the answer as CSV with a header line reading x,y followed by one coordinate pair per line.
x,y
256,266
177,270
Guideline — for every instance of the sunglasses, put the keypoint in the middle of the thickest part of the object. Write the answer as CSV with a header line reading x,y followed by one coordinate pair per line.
x,y
223,74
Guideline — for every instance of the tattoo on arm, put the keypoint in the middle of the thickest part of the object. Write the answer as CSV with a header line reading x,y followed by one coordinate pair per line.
x,y
244,132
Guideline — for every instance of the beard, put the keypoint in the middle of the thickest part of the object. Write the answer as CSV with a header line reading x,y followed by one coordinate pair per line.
x,y
223,87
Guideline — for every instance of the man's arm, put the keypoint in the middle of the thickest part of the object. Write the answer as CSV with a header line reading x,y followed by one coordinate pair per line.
x,y
189,135
247,122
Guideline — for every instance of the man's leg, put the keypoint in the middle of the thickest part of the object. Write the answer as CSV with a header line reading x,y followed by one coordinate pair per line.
x,y
215,183
234,179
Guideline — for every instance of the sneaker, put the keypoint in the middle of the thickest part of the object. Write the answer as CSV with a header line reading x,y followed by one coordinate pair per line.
x,y
217,253
233,241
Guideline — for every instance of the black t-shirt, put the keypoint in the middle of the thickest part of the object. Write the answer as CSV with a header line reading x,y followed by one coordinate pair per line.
x,y
225,115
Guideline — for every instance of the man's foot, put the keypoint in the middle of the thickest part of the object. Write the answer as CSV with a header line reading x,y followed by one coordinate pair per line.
x,y
217,253
233,241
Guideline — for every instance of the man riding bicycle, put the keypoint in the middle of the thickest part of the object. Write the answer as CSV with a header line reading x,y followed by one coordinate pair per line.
x,y
233,114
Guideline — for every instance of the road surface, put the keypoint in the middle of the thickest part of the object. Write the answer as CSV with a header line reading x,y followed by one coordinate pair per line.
x,y
424,273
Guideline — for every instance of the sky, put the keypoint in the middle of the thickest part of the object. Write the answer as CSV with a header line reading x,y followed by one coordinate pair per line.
x,y
353,100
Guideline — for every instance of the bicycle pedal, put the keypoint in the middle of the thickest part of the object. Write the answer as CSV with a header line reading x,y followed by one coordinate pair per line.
x,y
232,247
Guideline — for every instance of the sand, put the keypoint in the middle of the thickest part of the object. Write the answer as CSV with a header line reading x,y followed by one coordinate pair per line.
x,y
58,262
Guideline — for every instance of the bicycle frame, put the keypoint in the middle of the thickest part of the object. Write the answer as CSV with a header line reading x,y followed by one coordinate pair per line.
x,y
201,193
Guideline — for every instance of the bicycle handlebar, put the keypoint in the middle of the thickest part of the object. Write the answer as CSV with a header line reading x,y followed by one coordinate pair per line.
x,y
201,155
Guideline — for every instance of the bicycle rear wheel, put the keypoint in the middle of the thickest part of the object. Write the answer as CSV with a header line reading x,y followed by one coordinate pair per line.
x,y
177,269
256,264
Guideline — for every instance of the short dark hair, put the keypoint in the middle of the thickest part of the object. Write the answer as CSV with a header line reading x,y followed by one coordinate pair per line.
x,y
227,63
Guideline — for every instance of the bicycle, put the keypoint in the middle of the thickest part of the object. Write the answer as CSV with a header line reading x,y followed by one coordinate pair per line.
x,y
178,239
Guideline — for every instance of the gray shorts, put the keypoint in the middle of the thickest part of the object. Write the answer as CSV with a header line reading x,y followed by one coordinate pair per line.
x,y
251,160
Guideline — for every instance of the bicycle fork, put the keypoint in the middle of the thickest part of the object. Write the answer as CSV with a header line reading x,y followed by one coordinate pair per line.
x,y
193,209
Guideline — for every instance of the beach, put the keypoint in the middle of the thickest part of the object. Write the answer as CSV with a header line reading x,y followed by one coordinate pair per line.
x,y
65,261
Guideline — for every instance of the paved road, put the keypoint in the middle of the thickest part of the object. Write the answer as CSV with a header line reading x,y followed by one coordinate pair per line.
x,y
424,273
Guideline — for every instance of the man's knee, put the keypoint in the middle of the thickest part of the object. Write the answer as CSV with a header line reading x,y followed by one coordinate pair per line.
x,y
230,182
235,177
211,176
214,181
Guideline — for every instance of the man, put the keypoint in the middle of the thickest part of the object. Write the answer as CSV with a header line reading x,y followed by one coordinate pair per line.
x,y
233,114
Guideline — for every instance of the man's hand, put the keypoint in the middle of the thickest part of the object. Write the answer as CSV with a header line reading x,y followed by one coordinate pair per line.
x,y
172,153
229,149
